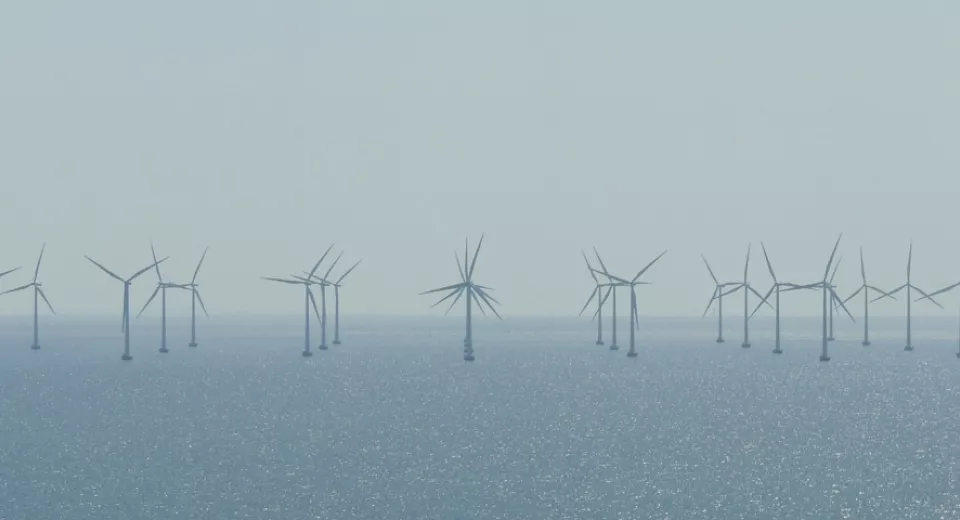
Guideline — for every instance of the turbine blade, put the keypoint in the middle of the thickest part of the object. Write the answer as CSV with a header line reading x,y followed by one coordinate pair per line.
x,y
445,298
473,294
334,264
909,259
636,315
441,289
883,293
145,269
794,287
927,296
344,275
197,270
754,291
603,301
941,291
589,268
44,296
317,265
890,294
863,269
763,300
455,300
612,277
8,272
746,265
715,281
15,289
826,271
602,265
836,300
855,293
156,264
36,271
731,291
835,267
593,294
463,274
710,303
473,262
485,297
483,292
101,267
313,301
648,266
200,300
281,280
769,266
152,296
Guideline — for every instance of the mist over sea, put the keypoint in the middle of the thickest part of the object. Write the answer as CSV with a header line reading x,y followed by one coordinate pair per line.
x,y
393,424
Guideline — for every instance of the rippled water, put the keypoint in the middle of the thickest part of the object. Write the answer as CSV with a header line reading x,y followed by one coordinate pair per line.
x,y
393,424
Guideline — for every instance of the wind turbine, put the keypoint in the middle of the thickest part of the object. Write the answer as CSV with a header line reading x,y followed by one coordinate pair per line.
x,y
308,299
162,289
866,288
834,306
775,288
747,289
611,286
126,301
908,286
634,318
194,298
718,296
36,291
596,293
475,293
323,283
336,296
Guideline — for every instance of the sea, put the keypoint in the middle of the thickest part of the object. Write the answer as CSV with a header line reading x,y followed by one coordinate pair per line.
x,y
545,424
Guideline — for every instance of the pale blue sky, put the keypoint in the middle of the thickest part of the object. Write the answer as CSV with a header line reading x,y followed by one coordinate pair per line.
x,y
270,129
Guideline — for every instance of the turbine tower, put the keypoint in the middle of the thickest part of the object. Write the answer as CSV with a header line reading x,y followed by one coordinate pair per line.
x,y
834,306
595,294
336,299
831,294
126,302
866,288
909,285
718,296
162,289
611,286
194,298
634,317
308,299
747,289
475,293
774,289
37,291
323,283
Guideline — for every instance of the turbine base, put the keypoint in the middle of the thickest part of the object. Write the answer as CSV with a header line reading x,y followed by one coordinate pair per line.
x,y
631,354
721,340
599,342
614,347
831,338
745,345
908,348
307,353
34,347
865,343
958,355
322,347
126,357
778,351
193,344
824,358
468,357
336,342
164,350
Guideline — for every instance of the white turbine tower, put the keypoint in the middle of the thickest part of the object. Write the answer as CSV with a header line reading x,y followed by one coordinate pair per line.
x,y
475,294
37,292
908,286
308,299
718,296
126,302
866,288
634,317
194,298
336,298
162,289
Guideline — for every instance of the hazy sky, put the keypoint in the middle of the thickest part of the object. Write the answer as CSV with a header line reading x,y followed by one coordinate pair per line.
x,y
268,130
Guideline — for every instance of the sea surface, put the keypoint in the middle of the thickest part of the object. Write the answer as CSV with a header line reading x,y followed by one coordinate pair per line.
x,y
393,424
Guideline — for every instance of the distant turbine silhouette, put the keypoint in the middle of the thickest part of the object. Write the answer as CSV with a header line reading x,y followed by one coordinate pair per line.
x,y
475,293
126,302
634,317
747,289
834,306
828,292
162,289
308,300
336,292
595,294
36,291
908,286
323,283
718,296
775,288
611,286
194,298
866,288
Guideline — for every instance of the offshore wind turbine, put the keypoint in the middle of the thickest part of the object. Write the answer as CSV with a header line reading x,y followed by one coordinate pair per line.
x,y
37,291
308,299
866,288
162,289
611,286
828,294
634,318
126,301
774,289
718,296
909,285
336,298
596,293
323,283
194,298
834,306
747,289
475,293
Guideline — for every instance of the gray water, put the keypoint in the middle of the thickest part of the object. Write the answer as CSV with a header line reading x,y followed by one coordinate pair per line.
x,y
393,424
